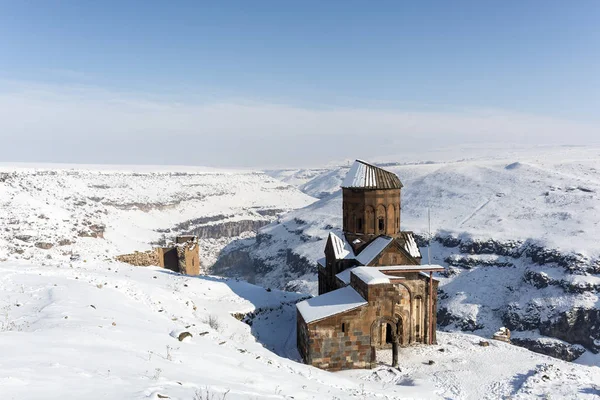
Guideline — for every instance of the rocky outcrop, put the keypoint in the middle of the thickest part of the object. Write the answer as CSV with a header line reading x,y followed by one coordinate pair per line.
x,y
571,262
580,325
470,262
94,231
541,279
244,263
236,264
571,273
446,318
552,348
227,229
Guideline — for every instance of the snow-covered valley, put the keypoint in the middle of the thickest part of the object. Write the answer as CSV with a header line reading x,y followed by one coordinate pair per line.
x,y
517,235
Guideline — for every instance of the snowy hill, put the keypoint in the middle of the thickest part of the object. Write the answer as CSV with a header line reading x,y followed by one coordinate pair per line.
x,y
108,330
77,324
519,236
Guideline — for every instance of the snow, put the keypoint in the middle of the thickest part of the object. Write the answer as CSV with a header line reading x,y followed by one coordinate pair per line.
x,y
54,205
373,249
359,176
331,303
92,328
463,370
410,245
322,262
370,275
109,330
341,248
426,275
541,198
412,268
344,276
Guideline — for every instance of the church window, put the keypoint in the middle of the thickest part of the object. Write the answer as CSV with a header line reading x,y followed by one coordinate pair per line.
x,y
360,222
381,224
344,327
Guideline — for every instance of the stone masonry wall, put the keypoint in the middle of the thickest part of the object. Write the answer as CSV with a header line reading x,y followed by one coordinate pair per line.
x,y
369,206
140,259
332,349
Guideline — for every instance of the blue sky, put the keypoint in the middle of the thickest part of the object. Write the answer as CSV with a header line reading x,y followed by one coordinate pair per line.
x,y
538,59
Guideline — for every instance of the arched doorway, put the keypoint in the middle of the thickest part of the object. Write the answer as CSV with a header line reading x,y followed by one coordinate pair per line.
x,y
386,333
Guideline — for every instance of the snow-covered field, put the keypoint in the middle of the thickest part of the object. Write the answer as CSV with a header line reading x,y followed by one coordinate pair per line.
x,y
76,324
62,211
108,330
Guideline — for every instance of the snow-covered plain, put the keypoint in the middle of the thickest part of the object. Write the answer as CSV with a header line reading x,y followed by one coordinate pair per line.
x,y
62,210
76,324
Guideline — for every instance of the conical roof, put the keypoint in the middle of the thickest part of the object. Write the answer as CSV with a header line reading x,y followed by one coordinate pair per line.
x,y
363,175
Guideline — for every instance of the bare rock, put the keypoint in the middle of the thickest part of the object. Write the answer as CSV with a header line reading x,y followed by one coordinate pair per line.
x,y
25,238
44,245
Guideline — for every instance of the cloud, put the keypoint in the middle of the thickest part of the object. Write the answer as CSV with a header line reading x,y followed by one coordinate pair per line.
x,y
41,123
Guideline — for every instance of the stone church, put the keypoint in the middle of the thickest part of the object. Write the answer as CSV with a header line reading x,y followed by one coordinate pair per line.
x,y
374,294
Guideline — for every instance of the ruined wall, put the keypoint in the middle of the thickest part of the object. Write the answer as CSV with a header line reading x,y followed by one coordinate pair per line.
x,y
168,258
183,257
140,259
189,259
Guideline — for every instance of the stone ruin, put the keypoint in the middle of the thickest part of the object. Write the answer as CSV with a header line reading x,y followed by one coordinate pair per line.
x,y
503,335
182,256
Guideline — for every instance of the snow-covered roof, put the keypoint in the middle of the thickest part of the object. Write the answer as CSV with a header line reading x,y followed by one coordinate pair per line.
x,y
412,268
341,248
328,304
344,276
373,249
370,275
366,176
410,245
377,275
322,262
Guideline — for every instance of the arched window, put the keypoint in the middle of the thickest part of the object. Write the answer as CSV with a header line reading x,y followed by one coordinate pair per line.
x,y
360,225
381,219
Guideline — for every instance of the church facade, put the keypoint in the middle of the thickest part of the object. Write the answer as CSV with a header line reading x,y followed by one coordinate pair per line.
x,y
373,291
